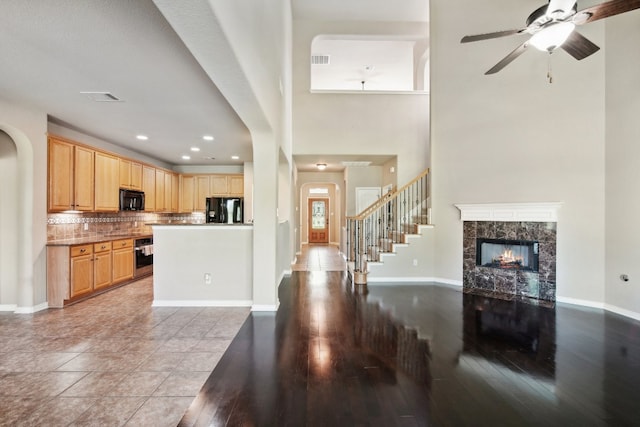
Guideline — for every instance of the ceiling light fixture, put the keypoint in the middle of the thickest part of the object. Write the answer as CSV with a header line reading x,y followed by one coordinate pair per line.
x,y
208,138
195,149
235,157
321,166
142,137
552,36
185,157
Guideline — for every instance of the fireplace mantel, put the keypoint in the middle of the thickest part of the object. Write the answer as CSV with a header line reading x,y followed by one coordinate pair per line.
x,y
529,212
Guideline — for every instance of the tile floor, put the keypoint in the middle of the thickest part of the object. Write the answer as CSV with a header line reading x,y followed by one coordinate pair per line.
x,y
112,360
319,258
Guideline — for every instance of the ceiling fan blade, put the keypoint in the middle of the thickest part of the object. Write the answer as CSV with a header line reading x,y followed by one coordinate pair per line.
x,y
509,58
579,46
604,10
487,36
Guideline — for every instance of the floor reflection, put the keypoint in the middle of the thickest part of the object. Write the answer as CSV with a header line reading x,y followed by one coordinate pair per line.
x,y
515,334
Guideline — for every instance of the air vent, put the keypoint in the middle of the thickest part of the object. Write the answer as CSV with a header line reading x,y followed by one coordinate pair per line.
x,y
101,96
355,164
319,59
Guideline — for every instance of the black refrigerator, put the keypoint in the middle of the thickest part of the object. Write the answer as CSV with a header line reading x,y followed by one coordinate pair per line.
x,y
225,210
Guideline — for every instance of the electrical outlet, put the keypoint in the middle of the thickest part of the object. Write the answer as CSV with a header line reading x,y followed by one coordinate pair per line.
x,y
86,226
207,278
415,262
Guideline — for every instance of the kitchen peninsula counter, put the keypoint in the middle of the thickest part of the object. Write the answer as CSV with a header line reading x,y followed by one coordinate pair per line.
x,y
206,264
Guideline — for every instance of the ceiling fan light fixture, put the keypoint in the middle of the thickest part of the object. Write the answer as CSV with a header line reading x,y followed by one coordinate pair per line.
x,y
552,37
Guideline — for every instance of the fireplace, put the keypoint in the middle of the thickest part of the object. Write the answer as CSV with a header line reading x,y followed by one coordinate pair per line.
x,y
507,254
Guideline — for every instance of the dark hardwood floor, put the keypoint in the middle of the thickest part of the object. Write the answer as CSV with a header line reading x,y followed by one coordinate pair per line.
x,y
421,355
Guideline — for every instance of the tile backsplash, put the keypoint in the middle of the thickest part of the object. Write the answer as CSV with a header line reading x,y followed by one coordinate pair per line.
x,y
86,225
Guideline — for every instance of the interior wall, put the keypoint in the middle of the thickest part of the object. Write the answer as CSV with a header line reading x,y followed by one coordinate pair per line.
x,y
514,137
370,176
623,162
27,128
348,123
389,173
8,220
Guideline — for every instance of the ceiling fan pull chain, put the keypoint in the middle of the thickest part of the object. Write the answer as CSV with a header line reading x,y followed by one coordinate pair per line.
x,y
549,71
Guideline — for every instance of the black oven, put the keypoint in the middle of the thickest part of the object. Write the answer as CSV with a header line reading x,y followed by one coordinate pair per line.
x,y
143,254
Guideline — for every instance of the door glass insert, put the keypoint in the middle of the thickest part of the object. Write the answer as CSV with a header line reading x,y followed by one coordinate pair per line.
x,y
318,217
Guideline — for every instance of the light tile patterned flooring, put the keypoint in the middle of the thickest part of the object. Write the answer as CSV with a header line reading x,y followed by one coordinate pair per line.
x,y
319,258
112,360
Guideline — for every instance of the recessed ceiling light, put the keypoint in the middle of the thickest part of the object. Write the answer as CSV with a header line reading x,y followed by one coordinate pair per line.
x,y
142,137
235,157
195,149
185,157
208,138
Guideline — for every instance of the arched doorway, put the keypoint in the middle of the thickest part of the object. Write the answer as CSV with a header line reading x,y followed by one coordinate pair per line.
x,y
16,222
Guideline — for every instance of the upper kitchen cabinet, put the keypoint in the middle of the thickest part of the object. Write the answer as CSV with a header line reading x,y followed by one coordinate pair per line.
x,y
227,185
107,182
70,177
202,191
149,188
160,193
175,192
187,188
130,175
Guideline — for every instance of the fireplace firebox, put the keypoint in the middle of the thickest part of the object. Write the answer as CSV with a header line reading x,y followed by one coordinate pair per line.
x,y
507,254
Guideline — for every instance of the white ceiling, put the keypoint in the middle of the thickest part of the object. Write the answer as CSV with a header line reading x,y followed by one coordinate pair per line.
x,y
52,50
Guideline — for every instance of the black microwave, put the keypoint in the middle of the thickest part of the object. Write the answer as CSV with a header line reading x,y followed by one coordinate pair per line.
x,y
131,200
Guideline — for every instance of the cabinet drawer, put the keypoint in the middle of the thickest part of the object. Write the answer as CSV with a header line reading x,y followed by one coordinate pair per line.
x,y
123,243
101,247
81,250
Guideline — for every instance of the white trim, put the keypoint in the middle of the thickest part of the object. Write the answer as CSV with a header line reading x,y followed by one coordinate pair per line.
x,y
534,212
201,303
581,302
621,311
8,307
235,226
264,307
29,310
285,273
417,280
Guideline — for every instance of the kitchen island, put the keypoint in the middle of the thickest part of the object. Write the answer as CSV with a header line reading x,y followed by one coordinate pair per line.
x,y
202,264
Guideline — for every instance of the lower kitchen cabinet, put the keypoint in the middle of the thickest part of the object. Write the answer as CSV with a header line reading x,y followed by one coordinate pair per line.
x,y
122,260
81,270
101,265
78,271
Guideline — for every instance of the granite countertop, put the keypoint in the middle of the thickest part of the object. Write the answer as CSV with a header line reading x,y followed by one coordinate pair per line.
x,y
97,239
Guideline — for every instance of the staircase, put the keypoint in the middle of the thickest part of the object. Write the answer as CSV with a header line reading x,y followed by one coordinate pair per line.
x,y
386,226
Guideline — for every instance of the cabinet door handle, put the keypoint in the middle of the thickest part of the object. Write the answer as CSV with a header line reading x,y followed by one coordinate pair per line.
x,y
102,247
82,251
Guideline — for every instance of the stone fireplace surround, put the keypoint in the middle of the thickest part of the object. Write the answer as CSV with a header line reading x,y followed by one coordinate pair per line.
x,y
513,221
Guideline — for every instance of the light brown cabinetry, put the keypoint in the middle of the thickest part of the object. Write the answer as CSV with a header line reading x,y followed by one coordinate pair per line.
x,y
81,270
122,260
227,185
130,174
218,185
175,192
160,194
107,182
187,195
101,265
78,271
149,188
70,177
235,185
201,192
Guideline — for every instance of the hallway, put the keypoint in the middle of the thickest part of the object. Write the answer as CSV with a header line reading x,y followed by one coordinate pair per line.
x,y
319,258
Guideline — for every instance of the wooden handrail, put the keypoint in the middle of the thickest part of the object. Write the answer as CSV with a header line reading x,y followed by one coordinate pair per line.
x,y
385,199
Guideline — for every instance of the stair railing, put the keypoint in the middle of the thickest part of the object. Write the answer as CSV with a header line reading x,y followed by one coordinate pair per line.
x,y
385,222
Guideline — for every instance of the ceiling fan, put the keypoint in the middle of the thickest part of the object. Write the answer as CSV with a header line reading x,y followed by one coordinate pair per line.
x,y
553,25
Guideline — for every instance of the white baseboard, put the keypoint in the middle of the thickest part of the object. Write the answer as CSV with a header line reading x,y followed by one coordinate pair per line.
x,y
581,302
201,303
13,308
621,311
264,307
416,280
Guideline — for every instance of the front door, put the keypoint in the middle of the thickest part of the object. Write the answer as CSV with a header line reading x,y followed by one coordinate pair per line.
x,y
318,221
